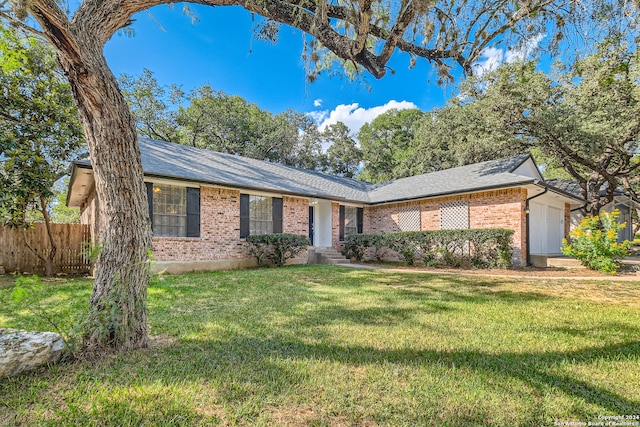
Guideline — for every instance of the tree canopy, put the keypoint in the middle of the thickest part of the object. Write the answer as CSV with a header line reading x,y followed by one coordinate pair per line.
x,y
583,118
39,130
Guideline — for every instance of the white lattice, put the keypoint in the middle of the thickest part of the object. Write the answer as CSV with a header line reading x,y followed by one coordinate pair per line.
x,y
454,215
409,218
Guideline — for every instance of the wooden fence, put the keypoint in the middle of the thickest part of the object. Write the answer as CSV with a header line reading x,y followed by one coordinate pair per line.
x,y
70,241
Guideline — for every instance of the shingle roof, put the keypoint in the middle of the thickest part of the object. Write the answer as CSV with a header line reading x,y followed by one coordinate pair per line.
x,y
568,186
572,187
179,161
475,177
169,160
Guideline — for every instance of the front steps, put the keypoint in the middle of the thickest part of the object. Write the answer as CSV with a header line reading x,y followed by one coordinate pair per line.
x,y
326,256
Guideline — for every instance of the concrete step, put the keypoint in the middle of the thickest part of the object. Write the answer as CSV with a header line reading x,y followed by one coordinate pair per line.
x,y
326,256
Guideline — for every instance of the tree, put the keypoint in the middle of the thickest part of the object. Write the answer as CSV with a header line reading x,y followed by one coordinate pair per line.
x,y
39,133
456,135
343,155
365,33
150,105
385,142
584,118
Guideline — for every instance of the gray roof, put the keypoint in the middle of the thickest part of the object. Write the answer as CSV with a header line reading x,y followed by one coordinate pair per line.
x,y
568,186
463,179
572,187
175,161
179,161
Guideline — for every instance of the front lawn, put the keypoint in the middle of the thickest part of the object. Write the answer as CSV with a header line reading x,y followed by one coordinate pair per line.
x,y
327,346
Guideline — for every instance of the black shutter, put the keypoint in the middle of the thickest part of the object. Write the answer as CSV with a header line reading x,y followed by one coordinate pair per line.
x,y
150,200
341,223
193,212
359,220
244,215
276,211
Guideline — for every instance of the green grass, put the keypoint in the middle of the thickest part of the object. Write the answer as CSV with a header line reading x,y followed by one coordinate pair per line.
x,y
336,346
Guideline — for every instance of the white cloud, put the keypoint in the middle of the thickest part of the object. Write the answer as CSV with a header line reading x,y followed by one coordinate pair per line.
x,y
491,57
317,102
354,116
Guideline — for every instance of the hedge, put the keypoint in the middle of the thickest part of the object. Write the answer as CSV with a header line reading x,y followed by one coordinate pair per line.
x,y
277,248
480,248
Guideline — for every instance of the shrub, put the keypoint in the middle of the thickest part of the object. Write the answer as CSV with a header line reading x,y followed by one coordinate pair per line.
x,y
595,242
355,246
407,244
480,248
277,248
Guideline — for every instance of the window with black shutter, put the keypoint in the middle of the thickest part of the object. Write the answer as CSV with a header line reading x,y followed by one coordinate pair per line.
x,y
174,210
260,215
351,221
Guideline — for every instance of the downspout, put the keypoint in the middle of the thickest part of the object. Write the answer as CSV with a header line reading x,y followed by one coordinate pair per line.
x,y
526,211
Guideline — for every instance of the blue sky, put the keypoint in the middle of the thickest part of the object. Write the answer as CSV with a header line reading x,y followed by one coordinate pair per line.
x,y
221,49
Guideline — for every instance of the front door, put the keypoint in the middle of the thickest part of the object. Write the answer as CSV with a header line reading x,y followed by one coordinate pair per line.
x,y
311,222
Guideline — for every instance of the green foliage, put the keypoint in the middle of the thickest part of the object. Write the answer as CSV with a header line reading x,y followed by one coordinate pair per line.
x,y
214,120
277,248
343,155
479,248
151,104
385,142
582,117
39,129
595,242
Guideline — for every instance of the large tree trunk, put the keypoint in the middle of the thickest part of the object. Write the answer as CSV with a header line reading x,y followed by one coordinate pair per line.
x,y
117,314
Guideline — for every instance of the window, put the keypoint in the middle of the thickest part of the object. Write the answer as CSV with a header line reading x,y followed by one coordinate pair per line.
x,y
174,210
260,215
351,219
454,215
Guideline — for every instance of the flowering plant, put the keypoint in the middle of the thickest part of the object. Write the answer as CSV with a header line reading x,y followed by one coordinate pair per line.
x,y
595,242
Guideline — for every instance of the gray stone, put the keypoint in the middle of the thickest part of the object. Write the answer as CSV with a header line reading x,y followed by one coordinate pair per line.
x,y
2,269
23,350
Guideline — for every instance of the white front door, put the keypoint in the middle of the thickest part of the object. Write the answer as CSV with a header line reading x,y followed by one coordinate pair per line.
x,y
323,223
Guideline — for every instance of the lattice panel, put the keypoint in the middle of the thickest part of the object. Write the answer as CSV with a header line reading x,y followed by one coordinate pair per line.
x,y
454,215
409,218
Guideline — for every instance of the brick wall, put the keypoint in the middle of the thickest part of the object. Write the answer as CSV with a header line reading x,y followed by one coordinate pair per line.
x,y
295,212
489,209
220,221
219,231
90,214
335,227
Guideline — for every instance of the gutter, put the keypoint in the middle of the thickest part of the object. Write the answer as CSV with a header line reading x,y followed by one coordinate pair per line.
x,y
526,211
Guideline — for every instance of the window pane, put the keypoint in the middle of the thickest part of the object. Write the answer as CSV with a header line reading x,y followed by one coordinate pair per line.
x,y
260,215
169,210
350,221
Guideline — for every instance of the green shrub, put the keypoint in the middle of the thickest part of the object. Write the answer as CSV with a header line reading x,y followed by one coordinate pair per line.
x,y
480,248
595,242
407,244
277,248
355,246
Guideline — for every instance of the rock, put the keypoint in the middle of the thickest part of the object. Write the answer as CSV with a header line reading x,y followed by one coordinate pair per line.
x,y
22,350
2,269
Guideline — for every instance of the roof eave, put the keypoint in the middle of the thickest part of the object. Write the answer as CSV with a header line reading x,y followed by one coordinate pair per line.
x,y
454,193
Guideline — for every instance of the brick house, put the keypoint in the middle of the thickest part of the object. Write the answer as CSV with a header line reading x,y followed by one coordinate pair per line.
x,y
203,204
